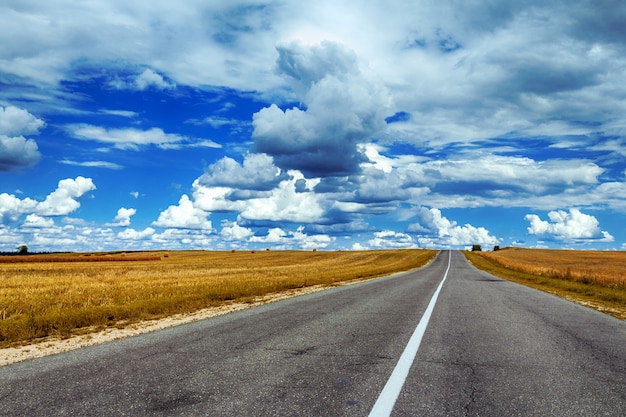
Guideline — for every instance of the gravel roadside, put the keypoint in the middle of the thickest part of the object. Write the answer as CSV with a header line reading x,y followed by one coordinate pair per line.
x,y
52,345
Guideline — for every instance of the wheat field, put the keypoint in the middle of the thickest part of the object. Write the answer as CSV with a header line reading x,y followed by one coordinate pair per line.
x,y
604,268
596,279
66,294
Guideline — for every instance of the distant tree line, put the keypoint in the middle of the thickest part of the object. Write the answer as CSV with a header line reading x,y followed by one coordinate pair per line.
x,y
478,248
22,250
5,253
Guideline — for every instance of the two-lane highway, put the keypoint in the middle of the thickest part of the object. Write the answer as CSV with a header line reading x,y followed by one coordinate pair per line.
x,y
491,348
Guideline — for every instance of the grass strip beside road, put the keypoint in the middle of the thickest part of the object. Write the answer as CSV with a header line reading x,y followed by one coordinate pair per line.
x,y
52,297
606,299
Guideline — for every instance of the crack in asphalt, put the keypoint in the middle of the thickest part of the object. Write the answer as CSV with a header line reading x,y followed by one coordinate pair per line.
x,y
472,391
303,351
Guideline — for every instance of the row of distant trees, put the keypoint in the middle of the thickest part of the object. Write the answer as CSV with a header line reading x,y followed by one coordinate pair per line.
x,y
20,250
477,248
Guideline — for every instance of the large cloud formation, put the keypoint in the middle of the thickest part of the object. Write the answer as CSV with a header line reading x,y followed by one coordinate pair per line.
x,y
60,202
257,172
567,226
63,200
340,108
495,104
435,230
15,150
185,215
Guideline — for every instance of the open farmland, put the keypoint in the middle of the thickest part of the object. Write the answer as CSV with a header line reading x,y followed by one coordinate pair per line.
x,y
65,294
594,278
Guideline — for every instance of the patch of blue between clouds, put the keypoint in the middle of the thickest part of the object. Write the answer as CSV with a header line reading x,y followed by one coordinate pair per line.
x,y
400,116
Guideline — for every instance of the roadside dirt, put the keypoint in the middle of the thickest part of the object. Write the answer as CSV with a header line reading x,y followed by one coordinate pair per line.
x,y
50,346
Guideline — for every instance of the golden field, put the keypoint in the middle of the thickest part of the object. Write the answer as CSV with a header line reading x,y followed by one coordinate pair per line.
x,y
603,268
64,294
594,278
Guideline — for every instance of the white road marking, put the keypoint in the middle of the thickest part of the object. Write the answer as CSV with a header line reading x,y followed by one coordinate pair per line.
x,y
387,398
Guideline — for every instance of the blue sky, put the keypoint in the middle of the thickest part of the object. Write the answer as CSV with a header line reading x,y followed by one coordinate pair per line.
x,y
285,125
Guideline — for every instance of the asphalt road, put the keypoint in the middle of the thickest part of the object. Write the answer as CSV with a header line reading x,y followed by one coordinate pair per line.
x,y
491,348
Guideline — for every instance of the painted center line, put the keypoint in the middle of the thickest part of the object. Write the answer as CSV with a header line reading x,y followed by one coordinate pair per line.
x,y
387,398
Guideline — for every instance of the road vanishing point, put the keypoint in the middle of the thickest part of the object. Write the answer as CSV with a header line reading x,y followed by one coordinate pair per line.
x,y
443,340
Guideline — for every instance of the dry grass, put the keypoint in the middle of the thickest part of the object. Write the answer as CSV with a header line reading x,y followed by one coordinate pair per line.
x,y
66,295
593,278
87,257
607,269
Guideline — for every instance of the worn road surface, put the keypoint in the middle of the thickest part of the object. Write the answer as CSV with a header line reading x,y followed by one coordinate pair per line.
x,y
490,348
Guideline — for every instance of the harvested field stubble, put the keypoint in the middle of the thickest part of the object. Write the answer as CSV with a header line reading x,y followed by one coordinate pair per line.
x,y
61,298
593,278
604,268
79,258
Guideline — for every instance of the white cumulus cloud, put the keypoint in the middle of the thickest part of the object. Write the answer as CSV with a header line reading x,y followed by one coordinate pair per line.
x,y
435,230
35,221
62,201
572,225
257,172
389,239
15,122
282,239
184,216
11,207
123,217
16,151
286,203
215,198
231,231
132,234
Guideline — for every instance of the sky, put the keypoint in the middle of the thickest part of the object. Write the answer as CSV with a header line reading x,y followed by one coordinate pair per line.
x,y
284,124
